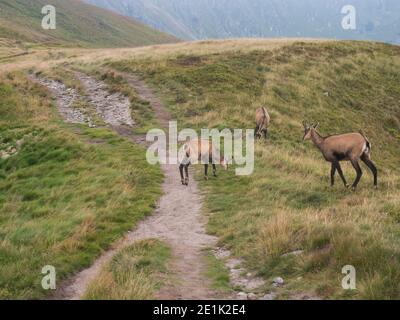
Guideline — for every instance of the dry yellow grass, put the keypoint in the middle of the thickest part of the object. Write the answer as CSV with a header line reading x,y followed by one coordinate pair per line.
x,y
45,58
134,273
287,204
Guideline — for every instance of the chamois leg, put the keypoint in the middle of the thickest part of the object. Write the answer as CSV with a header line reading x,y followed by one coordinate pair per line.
x,y
265,134
181,172
206,171
357,167
333,171
365,158
256,132
214,170
339,169
187,174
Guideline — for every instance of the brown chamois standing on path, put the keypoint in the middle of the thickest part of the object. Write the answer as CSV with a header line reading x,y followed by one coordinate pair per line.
x,y
201,151
345,147
262,123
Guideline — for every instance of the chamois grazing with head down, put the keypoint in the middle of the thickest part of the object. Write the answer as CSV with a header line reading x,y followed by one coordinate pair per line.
x,y
345,147
262,123
201,151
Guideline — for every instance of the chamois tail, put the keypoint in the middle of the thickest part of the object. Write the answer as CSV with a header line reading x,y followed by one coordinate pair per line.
x,y
367,143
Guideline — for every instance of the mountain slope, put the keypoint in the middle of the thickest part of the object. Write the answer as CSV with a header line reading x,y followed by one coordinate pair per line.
x,y
200,19
285,219
78,23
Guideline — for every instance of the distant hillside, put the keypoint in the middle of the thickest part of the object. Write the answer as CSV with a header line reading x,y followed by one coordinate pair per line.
x,y
78,23
202,19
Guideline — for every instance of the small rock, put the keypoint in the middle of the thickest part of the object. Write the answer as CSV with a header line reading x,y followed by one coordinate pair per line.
x,y
248,275
326,94
242,296
251,296
269,296
278,281
4,155
293,253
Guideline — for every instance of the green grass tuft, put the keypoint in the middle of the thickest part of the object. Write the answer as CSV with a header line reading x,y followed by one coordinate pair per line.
x,y
135,273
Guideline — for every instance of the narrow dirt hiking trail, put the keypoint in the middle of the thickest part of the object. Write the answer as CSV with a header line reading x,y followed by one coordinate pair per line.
x,y
177,220
160,111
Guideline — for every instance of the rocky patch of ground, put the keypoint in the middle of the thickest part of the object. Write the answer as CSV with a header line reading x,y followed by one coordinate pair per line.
x,y
65,98
249,285
113,108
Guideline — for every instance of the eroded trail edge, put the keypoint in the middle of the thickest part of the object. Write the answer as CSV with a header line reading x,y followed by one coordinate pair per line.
x,y
177,220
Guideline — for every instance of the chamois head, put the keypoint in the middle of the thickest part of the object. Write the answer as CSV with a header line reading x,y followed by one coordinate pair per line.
x,y
307,130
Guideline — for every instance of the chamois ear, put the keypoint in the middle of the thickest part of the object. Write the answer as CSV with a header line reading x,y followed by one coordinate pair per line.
x,y
305,124
316,125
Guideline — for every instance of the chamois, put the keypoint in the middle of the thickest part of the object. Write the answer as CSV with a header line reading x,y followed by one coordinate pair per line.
x,y
262,122
201,150
346,147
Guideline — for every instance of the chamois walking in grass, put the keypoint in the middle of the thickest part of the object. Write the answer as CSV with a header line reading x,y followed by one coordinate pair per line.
x,y
345,147
204,152
262,123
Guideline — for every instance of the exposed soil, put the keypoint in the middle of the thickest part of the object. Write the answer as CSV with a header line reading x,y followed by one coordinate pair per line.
x,y
160,111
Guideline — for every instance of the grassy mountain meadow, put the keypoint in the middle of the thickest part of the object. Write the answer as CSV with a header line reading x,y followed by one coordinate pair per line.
x,y
287,204
67,192
78,24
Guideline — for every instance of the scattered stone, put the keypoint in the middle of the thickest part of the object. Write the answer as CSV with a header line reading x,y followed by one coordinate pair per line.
x,y
8,152
65,98
304,296
114,109
294,253
251,296
269,296
326,94
4,155
278,281
242,296
239,277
